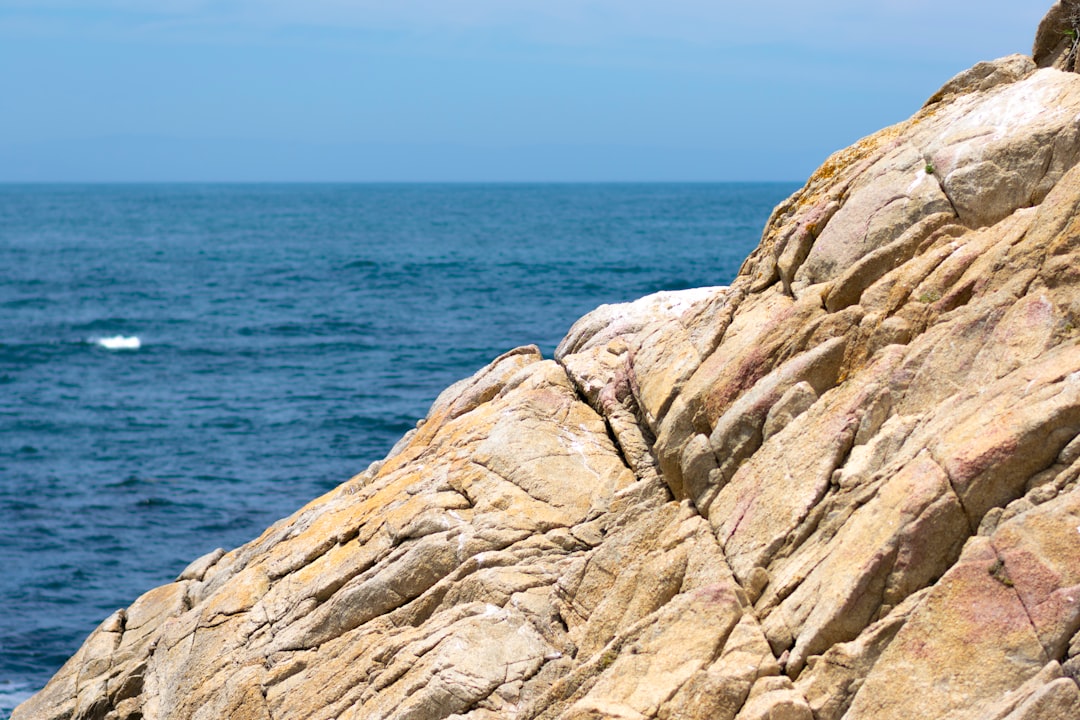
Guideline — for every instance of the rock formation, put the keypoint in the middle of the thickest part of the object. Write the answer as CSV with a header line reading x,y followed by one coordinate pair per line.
x,y
843,487
1058,37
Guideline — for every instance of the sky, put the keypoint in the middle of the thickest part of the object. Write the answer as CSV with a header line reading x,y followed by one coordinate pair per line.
x,y
471,90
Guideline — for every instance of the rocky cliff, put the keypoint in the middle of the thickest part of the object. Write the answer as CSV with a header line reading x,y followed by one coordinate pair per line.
x,y
843,487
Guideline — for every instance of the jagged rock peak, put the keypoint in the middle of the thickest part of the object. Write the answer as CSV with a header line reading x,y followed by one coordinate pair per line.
x,y
844,487
1058,37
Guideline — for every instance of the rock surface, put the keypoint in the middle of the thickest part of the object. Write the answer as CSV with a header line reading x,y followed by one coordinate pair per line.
x,y
843,487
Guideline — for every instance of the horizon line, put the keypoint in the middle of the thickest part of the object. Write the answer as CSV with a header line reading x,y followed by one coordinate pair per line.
x,y
401,182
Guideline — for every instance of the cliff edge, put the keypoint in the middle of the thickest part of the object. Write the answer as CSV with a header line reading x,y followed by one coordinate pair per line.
x,y
843,487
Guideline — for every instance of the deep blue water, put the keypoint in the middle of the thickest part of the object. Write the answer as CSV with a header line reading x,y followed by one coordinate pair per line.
x,y
289,334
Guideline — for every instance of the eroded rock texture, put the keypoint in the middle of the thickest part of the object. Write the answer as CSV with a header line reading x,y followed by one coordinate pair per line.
x,y
843,487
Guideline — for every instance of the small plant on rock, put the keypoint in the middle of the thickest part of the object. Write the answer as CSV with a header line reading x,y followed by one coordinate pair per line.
x,y
1073,33
999,573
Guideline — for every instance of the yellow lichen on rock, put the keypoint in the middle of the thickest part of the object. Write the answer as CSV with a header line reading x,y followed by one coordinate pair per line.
x,y
843,487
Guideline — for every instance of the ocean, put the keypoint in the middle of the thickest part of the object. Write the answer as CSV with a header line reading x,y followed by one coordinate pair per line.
x,y
182,365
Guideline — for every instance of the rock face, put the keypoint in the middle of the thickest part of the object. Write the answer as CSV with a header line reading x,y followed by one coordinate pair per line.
x,y
1058,38
843,487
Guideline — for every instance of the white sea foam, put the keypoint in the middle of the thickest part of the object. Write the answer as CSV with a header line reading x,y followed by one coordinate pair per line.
x,y
13,693
120,342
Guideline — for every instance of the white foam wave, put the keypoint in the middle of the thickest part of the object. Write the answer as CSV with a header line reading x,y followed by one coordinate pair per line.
x,y
120,342
13,693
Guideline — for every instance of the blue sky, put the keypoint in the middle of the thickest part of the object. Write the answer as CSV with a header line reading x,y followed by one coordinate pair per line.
x,y
471,90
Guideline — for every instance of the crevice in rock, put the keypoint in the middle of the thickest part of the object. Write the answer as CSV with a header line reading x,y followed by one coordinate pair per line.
x,y
1049,163
973,525
471,703
956,298
932,171
999,571
824,637
324,593
830,696
219,618
1030,278
584,399
808,523
988,521
414,612
805,529
480,464
545,661
717,654
580,680
776,595
632,408
265,702
733,300
275,573
1071,666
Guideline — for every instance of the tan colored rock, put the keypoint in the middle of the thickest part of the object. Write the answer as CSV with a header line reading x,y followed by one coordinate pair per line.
x,y
1012,603
895,194
985,76
831,680
843,488
775,698
1055,40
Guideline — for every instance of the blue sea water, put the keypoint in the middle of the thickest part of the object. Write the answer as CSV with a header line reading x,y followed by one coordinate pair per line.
x,y
181,365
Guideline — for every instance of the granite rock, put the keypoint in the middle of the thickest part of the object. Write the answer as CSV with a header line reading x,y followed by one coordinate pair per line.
x,y
845,486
